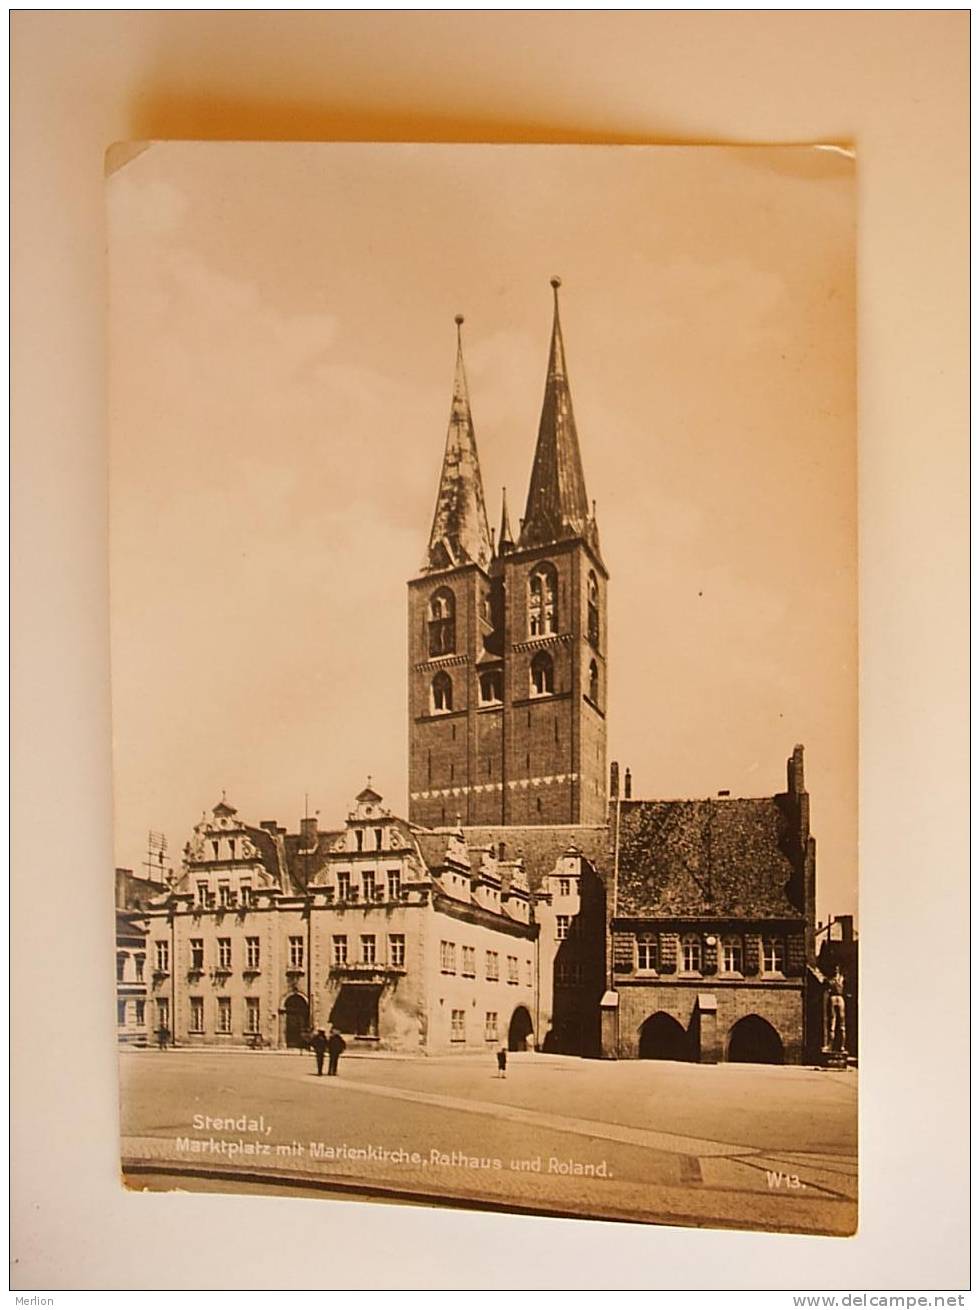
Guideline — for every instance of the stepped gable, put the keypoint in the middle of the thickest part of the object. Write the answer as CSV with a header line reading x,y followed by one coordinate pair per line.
x,y
542,847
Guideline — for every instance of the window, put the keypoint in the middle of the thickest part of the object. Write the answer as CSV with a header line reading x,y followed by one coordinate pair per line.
x,y
140,1012
121,1013
140,961
224,895
568,973
442,693
691,953
121,967
252,953
646,953
542,608
340,950
447,957
469,961
224,1014
458,1030
542,674
231,847
297,953
245,891
396,950
251,1014
731,955
564,886
163,1012
773,955
594,682
203,895
528,974
359,839
197,1014
394,884
592,620
490,1026
512,969
442,623
197,952
563,925
224,952
493,966
214,847
163,957
369,951
491,687
378,833
343,886
367,880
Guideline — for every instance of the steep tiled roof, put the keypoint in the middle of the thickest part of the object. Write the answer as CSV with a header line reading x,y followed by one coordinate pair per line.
x,y
714,857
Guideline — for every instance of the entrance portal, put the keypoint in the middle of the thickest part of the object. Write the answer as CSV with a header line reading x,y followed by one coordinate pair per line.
x,y
753,1041
520,1030
297,1019
355,1011
663,1038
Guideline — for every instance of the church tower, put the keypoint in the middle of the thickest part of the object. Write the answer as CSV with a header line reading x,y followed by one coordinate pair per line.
x,y
555,623
507,646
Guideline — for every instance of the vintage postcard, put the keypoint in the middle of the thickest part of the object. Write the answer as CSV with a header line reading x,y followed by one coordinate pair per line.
x,y
483,572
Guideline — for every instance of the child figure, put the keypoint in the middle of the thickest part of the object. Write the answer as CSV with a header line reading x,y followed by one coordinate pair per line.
x,y
502,1062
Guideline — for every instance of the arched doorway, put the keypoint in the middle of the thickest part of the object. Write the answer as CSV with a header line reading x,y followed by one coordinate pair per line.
x,y
754,1041
520,1030
663,1038
297,1011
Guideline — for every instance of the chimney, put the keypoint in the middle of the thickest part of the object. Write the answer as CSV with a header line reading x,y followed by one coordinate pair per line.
x,y
269,825
614,779
794,773
627,785
307,833
122,888
725,792
846,922
501,851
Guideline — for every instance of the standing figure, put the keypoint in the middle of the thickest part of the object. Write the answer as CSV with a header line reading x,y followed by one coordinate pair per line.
x,y
163,1036
837,1031
336,1046
502,1062
319,1044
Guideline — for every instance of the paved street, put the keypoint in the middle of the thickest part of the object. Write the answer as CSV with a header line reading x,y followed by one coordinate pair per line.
x,y
733,1145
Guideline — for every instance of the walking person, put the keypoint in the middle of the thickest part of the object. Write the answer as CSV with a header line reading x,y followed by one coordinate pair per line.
x,y
502,1062
336,1047
319,1043
163,1036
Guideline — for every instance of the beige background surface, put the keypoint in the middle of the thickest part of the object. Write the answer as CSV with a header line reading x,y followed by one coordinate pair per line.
x,y
893,83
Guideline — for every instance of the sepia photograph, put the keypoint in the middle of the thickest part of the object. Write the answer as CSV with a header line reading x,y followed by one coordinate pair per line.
x,y
483,576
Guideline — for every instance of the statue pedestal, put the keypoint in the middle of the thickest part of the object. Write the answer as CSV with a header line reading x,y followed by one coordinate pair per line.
x,y
833,1059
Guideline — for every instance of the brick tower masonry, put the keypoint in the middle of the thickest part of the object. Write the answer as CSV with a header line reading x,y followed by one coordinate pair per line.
x,y
507,640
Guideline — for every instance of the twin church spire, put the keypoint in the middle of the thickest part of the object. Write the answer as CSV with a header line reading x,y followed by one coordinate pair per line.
x,y
557,503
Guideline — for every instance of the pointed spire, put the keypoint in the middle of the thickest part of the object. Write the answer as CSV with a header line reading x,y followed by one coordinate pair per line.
x,y
557,503
460,532
506,541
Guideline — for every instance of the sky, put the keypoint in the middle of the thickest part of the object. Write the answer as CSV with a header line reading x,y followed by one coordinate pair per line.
x,y
282,344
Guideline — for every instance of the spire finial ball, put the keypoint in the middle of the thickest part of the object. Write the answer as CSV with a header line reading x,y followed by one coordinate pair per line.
x,y
459,320
556,282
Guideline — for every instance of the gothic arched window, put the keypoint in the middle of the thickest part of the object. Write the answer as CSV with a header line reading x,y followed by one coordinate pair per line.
x,y
442,623
491,687
593,611
690,953
442,693
731,955
594,682
542,601
542,674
